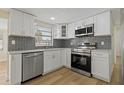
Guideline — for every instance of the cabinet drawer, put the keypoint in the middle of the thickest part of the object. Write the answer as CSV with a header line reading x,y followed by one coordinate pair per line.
x,y
100,54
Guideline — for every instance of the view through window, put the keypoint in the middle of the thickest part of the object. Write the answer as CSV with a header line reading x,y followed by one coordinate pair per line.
x,y
43,36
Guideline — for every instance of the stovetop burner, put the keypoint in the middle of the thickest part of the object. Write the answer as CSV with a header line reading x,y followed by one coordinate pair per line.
x,y
85,48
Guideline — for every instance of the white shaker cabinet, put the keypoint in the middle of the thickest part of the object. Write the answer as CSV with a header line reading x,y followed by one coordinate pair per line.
x,y
63,57
15,71
20,24
102,24
71,30
51,61
15,23
66,57
60,31
28,27
101,64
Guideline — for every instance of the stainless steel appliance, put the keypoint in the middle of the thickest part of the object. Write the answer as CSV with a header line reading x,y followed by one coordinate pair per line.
x,y
80,32
90,29
87,30
81,58
32,65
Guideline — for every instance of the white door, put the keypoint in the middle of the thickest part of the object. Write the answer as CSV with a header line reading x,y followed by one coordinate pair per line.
x,y
102,24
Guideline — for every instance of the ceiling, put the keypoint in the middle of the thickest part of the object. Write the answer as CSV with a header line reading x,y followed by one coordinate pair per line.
x,y
63,15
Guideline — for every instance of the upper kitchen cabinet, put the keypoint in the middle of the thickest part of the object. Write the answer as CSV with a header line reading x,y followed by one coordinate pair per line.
x,y
71,30
60,31
102,24
20,24
15,23
84,22
28,27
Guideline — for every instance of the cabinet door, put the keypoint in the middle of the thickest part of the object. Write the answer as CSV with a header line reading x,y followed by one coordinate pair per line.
x,y
63,57
102,24
71,30
51,61
48,61
16,22
57,31
28,25
57,59
68,58
100,67
15,70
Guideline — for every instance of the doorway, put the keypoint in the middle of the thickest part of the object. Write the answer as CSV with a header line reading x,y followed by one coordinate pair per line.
x,y
3,47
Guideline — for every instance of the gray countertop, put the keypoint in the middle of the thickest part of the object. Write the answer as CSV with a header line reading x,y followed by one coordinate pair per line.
x,y
35,50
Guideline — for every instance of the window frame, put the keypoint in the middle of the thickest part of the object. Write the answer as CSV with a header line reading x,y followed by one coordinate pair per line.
x,y
44,29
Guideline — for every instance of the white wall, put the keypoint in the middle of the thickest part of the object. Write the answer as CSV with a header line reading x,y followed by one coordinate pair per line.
x,y
122,47
117,40
3,52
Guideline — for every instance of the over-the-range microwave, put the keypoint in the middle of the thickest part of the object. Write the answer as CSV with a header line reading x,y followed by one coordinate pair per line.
x,y
87,30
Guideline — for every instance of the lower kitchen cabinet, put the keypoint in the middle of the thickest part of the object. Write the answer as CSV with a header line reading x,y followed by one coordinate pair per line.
x,y
52,60
66,57
15,62
56,59
24,66
101,65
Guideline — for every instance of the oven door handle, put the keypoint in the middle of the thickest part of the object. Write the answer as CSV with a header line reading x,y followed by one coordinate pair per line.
x,y
83,54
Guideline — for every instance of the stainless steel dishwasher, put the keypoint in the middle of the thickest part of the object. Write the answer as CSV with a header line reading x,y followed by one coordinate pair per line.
x,y
32,65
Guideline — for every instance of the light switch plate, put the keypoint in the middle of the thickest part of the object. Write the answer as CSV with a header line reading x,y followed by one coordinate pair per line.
x,y
13,42
102,42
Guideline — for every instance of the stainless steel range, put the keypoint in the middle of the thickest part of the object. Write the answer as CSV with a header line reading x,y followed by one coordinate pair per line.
x,y
81,58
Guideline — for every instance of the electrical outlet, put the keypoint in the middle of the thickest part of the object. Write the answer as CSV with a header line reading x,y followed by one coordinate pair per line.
x,y
102,42
13,42
71,43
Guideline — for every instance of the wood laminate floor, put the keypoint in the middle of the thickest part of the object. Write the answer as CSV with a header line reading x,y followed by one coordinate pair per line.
x,y
3,73
66,76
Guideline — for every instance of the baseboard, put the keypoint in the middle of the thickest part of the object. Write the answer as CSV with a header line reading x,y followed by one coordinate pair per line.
x,y
101,78
45,73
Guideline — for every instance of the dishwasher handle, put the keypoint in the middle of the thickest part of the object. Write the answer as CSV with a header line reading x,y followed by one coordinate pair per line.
x,y
33,55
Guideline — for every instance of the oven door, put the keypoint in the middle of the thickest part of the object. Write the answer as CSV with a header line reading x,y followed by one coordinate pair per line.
x,y
80,61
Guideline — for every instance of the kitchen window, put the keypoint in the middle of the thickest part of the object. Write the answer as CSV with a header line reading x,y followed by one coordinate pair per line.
x,y
43,36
